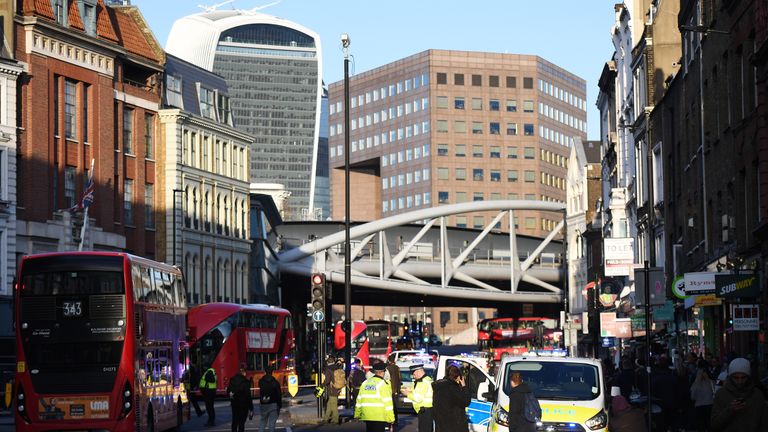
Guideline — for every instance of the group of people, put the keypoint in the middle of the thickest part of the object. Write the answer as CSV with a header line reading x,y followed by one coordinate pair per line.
x,y
241,398
696,395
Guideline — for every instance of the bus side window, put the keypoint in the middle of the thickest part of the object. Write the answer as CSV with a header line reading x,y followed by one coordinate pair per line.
x,y
137,282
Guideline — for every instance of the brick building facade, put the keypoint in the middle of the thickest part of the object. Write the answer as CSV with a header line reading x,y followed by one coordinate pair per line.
x,y
91,92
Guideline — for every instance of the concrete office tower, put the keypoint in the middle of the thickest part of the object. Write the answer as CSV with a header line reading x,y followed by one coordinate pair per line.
x,y
273,70
443,127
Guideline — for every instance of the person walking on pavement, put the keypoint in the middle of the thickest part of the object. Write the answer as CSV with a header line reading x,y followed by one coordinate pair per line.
x,y
421,396
374,402
271,398
394,379
739,406
356,379
208,389
450,399
239,391
332,390
702,394
517,396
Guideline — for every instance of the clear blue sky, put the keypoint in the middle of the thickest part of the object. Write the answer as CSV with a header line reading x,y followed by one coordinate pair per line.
x,y
574,34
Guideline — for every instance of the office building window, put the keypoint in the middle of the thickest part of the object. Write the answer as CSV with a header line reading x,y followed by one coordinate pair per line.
x,y
461,150
477,104
495,196
461,174
478,222
527,82
528,106
530,176
442,78
128,202
442,173
477,128
511,82
458,103
529,153
477,80
207,102
528,129
511,152
149,205
86,92
69,186
530,223
477,151
461,221
493,81
511,128
442,149
477,196
495,152
477,174
128,130
459,126
512,176
149,135
442,126
494,128
494,105
512,196
442,197
461,197
70,109
495,175
511,105
458,79
441,102
530,197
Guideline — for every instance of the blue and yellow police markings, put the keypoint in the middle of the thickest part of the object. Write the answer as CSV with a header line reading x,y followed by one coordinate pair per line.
x,y
479,413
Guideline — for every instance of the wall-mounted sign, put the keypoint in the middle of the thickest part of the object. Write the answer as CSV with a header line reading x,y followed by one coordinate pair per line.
x,y
737,285
746,317
619,256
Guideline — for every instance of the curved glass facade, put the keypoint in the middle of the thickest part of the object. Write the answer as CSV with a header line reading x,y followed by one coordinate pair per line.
x,y
267,34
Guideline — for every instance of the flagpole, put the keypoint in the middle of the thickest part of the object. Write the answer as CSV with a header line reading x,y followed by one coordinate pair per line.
x,y
85,215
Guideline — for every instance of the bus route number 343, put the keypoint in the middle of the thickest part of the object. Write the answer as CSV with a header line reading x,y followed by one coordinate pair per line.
x,y
72,308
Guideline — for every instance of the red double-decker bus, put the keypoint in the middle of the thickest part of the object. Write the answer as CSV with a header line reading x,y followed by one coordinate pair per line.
x,y
100,342
225,335
359,338
484,334
517,336
382,338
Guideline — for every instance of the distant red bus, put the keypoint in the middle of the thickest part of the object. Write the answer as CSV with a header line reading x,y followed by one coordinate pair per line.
x,y
517,336
100,343
382,338
360,343
484,334
226,335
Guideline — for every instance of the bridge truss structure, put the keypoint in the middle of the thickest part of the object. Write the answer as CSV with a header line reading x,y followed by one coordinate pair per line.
x,y
376,264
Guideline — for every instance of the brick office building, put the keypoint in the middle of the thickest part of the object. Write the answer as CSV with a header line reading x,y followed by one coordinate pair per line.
x,y
91,91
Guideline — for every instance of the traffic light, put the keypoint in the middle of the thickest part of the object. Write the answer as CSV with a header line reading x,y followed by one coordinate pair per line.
x,y
318,292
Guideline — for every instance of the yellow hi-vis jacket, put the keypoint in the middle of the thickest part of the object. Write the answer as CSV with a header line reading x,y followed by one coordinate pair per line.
x,y
421,396
374,402
205,384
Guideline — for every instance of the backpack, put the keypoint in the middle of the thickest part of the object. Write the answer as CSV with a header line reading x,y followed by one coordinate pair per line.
x,y
339,381
531,408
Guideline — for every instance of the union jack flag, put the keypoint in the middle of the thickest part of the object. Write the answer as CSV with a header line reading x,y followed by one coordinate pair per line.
x,y
87,198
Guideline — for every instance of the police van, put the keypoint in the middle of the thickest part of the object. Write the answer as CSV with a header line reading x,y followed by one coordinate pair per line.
x,y
571,392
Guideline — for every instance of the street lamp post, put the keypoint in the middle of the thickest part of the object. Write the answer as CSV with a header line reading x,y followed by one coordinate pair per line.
x,y
345,42
175,191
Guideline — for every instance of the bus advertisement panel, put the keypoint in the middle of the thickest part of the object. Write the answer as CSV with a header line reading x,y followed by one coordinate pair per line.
x,y
100,341
225,335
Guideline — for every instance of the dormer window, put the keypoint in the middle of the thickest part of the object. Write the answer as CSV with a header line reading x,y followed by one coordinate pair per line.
x,y
88,13
225,115
173,91
59,11
207,102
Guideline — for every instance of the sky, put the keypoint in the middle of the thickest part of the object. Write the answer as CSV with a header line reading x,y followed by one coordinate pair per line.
x,y
573,34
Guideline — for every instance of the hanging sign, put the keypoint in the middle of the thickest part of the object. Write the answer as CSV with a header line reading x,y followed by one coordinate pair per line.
x,y
737,285
746,317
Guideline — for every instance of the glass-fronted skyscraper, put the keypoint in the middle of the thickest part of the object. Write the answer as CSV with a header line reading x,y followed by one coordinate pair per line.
x,y
273,70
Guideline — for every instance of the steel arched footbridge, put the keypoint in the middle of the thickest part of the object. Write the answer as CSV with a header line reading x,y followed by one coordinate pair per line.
x,y
432,262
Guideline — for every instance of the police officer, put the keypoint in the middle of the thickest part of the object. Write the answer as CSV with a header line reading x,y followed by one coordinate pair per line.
x,y
208,389
374,402
421,396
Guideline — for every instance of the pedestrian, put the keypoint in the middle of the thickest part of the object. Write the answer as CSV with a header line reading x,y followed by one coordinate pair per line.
x,y
194,386
517,395
394,379
450,398
421,396
271,400
375,405
702,394
332,391
208,390
356,379
739,406
239,391
625,417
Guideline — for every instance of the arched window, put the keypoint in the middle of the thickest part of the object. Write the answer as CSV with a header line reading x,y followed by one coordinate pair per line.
x,y
206,291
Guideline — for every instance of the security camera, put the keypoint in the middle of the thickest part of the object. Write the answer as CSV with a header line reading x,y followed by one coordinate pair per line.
x,y
345,41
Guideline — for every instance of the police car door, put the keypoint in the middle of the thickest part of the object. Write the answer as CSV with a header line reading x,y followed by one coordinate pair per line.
x,y
481,386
